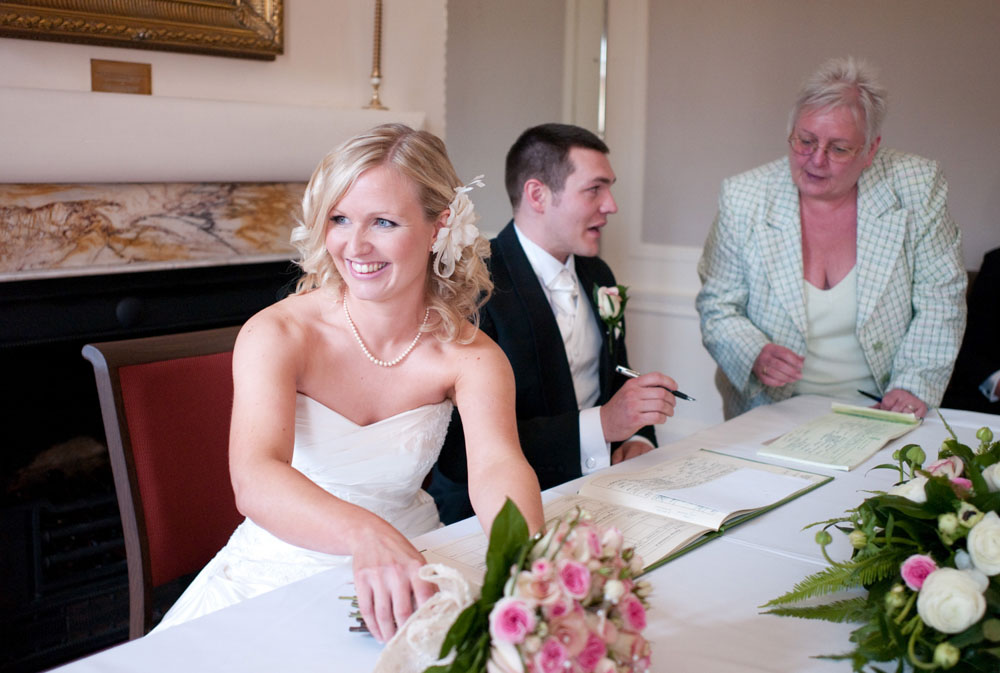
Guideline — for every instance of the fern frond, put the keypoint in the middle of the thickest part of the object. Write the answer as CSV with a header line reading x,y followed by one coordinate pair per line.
x,y
827,581
848,575
847,610
877,568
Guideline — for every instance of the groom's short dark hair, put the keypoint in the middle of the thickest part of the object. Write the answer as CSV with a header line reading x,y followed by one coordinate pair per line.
x,y
542,153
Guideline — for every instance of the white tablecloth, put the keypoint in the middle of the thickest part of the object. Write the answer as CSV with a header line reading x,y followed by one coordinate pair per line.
x,y
704,615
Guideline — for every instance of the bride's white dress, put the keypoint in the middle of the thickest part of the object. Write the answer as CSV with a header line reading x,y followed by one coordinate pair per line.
x,y
379,467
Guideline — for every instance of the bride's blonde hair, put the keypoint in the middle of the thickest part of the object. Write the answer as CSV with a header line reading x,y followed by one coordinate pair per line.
x,y
422,157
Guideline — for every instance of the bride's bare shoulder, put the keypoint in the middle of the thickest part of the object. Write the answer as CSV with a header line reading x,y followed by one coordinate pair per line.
x,y
480,349
283,325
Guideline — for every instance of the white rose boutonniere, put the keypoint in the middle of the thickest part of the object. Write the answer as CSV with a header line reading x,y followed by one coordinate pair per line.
x,y
611,302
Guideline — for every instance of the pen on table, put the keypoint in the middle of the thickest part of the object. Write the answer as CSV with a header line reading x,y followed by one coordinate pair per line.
x,y
870,395
631,373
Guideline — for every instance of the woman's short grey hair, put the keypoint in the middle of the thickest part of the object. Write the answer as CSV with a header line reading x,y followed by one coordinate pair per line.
x,y
847,82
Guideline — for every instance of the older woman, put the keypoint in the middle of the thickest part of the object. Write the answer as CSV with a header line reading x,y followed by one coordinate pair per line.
x,y
341,403
838,268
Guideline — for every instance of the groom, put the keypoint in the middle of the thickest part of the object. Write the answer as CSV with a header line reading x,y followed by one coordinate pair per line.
x,y
575,415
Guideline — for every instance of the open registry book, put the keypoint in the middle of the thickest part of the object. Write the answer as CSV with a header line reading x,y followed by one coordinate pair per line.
x,y
664,510
842,439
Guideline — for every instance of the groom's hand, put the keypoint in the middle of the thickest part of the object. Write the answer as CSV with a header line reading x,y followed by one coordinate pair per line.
x,y
631,449
644,400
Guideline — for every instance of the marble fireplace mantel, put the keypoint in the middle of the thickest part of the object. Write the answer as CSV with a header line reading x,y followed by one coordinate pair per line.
x,y
51,136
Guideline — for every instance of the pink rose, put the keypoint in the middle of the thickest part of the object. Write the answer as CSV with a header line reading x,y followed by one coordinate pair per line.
x,y
571,631
611,541
950,467
593,541
605,665
634,649
575,579
560,607
633,613
511,620
551,657
593,652
963,482
538,589
916,569
542,569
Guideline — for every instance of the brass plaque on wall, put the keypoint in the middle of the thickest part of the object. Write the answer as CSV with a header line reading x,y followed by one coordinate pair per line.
x,y
240,28
121,77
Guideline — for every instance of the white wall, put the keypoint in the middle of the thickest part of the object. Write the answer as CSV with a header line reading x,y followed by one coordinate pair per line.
x,y
327,62
504,74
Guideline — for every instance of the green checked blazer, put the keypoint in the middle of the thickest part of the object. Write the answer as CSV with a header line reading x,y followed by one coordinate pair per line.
x,y
911,280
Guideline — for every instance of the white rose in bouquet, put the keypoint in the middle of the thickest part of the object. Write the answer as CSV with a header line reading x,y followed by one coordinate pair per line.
x,y
992,476
951,600
912,489
984,544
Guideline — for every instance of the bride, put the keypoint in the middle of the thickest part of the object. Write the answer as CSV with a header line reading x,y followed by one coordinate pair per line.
x,y
344,390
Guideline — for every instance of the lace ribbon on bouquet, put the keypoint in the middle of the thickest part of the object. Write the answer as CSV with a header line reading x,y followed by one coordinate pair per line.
x,y
417,644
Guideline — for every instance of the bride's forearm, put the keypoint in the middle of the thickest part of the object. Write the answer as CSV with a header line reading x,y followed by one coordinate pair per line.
x,y
287,504
489,488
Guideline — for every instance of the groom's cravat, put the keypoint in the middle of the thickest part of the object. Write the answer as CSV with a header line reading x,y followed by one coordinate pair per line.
x,y
563,290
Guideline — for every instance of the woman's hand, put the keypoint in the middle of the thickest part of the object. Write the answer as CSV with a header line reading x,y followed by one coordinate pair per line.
x,y
903,402
386,581
777,366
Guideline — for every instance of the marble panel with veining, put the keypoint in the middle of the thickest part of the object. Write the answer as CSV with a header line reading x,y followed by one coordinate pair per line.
x,y
60,230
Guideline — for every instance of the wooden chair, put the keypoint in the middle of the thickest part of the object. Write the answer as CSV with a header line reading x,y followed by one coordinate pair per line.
x,y
166,402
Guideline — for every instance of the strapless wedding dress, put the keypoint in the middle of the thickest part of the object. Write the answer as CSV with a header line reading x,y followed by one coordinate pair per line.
x,y
379,467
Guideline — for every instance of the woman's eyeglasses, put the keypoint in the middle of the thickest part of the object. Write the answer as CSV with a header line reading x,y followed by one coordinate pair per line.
x,y
835,152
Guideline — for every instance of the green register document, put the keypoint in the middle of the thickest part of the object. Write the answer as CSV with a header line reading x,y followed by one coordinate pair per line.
x,y
842,439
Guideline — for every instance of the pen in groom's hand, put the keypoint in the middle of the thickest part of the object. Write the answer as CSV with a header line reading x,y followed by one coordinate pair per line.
x,y
870,395
631,373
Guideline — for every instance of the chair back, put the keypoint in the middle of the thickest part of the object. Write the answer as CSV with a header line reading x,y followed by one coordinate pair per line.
x,y
166,402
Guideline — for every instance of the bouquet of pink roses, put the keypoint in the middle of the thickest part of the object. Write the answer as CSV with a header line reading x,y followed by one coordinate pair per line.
x,y
563,600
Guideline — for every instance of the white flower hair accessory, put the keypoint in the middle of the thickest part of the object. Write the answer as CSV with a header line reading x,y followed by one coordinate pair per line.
x,y
458,232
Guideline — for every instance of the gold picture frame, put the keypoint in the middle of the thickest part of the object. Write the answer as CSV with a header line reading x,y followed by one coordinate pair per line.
x,y
237,28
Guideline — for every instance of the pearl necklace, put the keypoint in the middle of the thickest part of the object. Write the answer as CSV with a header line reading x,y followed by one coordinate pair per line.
x,y
375,360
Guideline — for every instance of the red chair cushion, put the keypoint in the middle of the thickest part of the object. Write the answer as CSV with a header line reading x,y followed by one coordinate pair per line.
x,y
178,414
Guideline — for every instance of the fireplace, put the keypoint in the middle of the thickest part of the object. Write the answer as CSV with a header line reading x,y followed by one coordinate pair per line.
x,y
63,585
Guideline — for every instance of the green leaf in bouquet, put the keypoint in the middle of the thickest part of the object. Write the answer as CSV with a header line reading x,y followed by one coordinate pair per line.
x,y
508,537
850,575
987,502
468,619
904,505
846,610
828,522
941,496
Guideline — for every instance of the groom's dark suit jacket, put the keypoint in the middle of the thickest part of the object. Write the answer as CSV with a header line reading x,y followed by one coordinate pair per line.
x,y
519,318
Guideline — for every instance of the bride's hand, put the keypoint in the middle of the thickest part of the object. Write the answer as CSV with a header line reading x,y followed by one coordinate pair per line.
x,y
386,581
